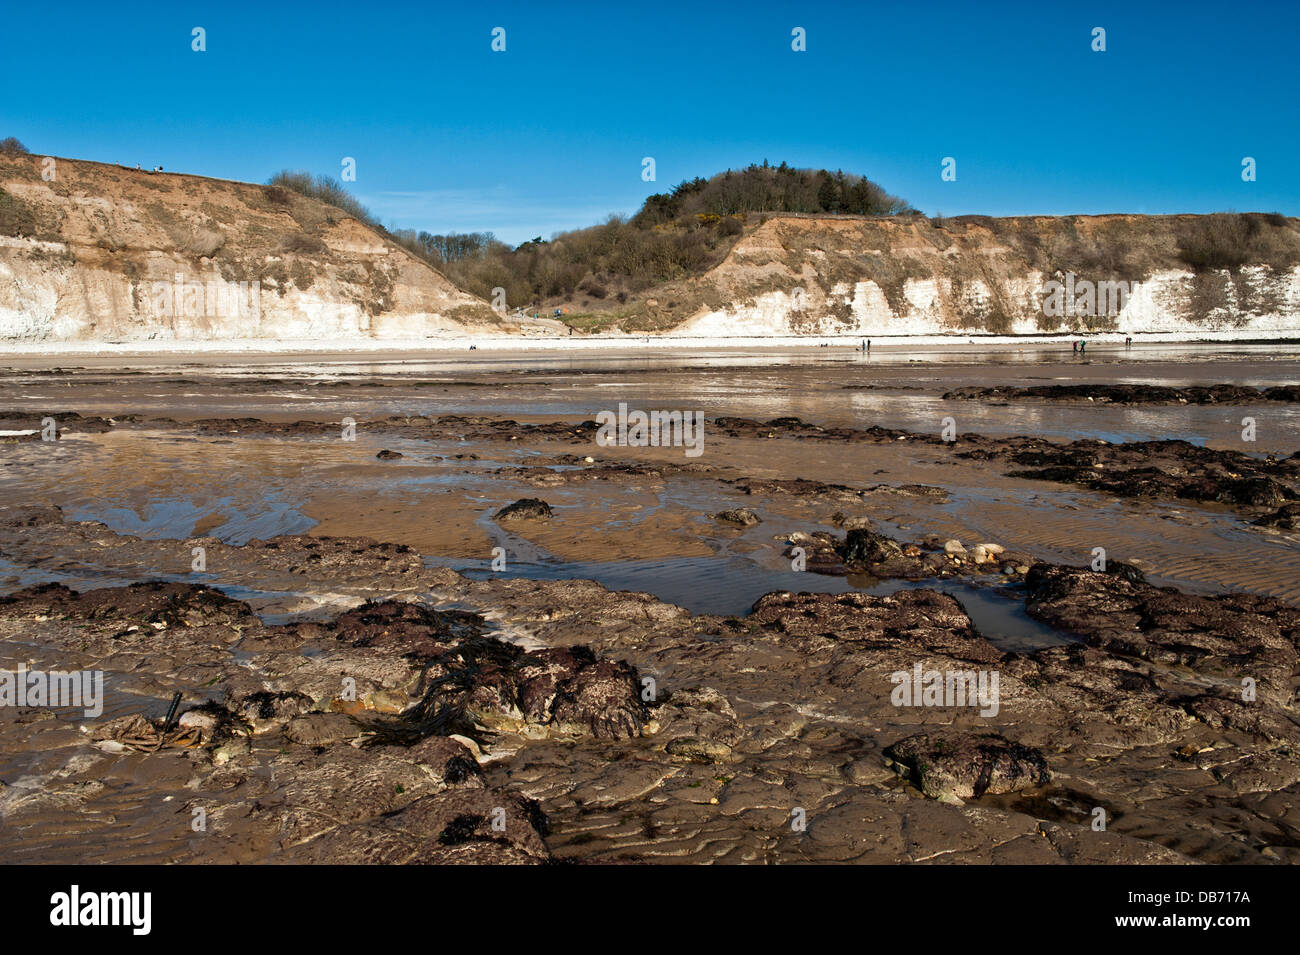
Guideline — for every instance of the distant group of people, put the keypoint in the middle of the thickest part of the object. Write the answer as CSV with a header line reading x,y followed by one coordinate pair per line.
x,y
1081,346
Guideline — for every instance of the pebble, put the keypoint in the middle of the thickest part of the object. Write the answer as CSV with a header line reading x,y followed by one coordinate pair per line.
x,y
698,750
387,701
230,749
202,721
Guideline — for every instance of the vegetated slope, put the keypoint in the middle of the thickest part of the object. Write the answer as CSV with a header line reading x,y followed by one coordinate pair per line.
x,y
102,253
676,235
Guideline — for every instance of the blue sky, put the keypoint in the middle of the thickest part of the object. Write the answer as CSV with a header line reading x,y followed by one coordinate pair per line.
x,y
550,134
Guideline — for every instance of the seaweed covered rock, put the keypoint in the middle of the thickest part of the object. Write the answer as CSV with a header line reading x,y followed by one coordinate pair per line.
x,y
1131,394
871,625
742,516
1285,518
862,546
457,826
471,681
410,629
525,509
603,698
1232,636
156,604
1161,470
953,766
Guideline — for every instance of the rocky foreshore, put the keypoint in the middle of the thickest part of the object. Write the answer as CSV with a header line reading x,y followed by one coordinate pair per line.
x,y
1168,470
353,615
456,720
1221,394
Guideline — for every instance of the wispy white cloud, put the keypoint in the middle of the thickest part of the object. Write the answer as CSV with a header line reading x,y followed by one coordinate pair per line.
x,y
512,217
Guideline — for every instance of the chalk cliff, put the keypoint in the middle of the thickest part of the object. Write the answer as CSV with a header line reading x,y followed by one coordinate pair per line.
x,y
97,253
92,252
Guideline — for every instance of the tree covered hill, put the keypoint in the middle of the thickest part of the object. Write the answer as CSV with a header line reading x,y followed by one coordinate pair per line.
x,y
674,235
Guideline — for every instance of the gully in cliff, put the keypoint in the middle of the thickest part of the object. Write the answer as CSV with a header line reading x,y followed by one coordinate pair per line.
x,y
1084,298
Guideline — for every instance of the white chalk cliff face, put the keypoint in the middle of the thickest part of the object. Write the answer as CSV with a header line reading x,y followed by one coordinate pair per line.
x,y
1165,304
106,254
803,276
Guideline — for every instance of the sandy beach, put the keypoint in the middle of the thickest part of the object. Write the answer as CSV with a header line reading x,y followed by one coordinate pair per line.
x,y
517,345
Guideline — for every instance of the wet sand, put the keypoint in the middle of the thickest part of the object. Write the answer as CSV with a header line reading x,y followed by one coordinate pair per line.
x,y
169,456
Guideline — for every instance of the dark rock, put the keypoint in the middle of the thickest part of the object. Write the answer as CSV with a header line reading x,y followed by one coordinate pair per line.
x,y
799,488
472,681
264,710
1160,470
528,508
31,515
851,521
926,621
322,729
1285,518
740,515
1132,394
698,750
541,674
457,826
953,766
606,698
449,760
1121,569
407,628
1226,636
863,546
155,603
